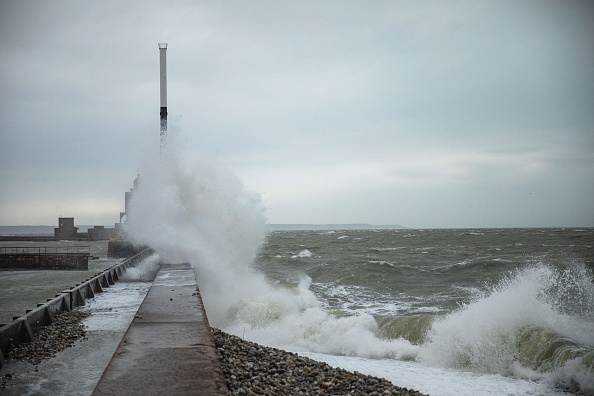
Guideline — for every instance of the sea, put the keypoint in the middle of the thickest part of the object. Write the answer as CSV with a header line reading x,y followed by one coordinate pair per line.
x,y
443,311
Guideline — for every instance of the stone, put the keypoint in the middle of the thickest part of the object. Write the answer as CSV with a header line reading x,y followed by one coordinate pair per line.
x,y
66,329
252,369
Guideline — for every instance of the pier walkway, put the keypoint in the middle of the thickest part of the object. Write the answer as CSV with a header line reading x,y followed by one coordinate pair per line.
x,y
169,347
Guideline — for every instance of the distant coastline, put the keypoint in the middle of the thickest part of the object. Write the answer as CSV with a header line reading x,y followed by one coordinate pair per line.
x,y
328,227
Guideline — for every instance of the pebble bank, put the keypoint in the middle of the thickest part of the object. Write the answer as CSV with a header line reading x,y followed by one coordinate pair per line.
x,y
253,369
61,334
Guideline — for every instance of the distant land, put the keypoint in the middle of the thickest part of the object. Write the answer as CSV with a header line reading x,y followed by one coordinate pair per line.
x,y
49,230
314,227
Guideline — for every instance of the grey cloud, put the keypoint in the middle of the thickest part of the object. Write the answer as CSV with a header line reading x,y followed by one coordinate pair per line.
x,y
428,106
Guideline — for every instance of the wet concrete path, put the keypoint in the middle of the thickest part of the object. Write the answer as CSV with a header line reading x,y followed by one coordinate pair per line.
x,y
169,347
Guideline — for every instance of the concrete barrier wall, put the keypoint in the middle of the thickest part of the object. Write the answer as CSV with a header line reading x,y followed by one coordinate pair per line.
x,y
22,329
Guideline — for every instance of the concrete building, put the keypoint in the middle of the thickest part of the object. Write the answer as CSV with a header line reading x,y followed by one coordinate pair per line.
x,y
66,229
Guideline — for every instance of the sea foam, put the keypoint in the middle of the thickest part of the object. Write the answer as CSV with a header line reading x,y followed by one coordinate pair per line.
x,y
526,328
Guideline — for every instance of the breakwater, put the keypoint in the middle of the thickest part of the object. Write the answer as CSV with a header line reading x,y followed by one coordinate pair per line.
x,y
22,329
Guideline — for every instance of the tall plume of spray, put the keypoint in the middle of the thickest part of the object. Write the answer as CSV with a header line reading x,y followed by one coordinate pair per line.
x,y
204,216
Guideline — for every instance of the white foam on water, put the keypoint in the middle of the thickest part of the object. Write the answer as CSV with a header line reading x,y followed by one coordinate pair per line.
x,y
436,380
483,336
144,271
353,299
317,331
303,254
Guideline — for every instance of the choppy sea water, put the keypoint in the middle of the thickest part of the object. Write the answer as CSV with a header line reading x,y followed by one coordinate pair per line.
x,y
465,312
489,311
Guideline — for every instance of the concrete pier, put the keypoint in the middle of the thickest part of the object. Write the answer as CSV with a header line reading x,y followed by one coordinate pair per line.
x,y
169,347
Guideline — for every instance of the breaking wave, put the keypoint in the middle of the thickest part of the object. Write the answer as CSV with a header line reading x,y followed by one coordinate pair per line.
x,y
529,327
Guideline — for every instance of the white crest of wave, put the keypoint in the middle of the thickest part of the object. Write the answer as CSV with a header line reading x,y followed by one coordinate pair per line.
x,y
292,319
271,305
315,330
144,271
483,335
303,254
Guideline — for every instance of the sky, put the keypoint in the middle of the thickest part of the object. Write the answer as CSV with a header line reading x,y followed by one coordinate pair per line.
x,y
424,114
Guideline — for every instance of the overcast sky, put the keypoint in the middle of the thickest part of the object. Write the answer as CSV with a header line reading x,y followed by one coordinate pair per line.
x,y
425,114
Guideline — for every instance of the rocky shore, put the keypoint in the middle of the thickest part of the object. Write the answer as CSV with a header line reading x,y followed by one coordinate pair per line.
x,y
253,369
61,334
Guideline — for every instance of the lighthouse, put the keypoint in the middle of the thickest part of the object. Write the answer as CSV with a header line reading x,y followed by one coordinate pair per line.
x,y
163,80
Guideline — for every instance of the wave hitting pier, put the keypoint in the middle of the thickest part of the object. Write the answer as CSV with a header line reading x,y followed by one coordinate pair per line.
x,y
169,347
